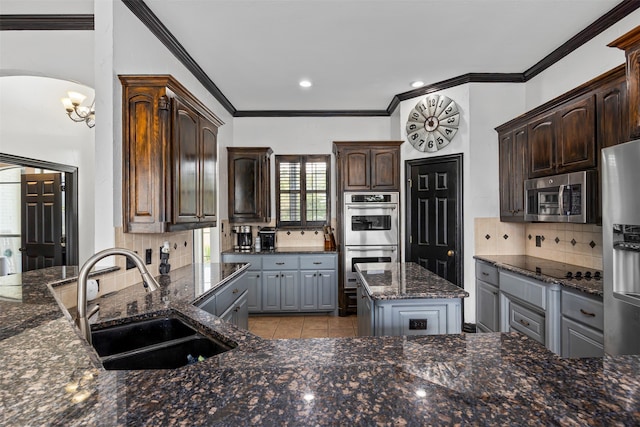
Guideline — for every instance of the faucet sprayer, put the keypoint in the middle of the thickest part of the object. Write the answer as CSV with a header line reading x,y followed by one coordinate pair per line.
x,y
148,280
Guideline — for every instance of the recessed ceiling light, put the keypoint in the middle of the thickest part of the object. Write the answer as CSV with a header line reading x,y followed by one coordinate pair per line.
x,y
417,83
305,83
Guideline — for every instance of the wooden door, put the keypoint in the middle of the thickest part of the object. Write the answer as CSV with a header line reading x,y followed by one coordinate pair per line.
x,y
41,221
208,165
434,215
186,177
356,169
542,144
612,114
244,185
385,164
576,131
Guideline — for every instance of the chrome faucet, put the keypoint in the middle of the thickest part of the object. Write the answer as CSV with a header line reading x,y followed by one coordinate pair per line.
x,y
148,280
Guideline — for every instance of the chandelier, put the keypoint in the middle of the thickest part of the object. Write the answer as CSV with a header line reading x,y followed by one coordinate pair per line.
x,y
76,111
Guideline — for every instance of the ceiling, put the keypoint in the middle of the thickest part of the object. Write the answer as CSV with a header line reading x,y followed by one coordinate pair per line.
x,y
358,54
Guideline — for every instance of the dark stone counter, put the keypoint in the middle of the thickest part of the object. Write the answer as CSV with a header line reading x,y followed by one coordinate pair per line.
x,y
545,270
384,281
50,376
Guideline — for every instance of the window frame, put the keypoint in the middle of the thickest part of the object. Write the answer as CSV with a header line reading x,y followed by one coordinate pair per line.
x,y
303,159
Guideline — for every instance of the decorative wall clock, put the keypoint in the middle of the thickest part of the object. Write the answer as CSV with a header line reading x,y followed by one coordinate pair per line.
x,y
433,123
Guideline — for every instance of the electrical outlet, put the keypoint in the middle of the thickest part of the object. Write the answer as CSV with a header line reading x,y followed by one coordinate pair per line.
x,y
130,263
147,256
538,241
418,324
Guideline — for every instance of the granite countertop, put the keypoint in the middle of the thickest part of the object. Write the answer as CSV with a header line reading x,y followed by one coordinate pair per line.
x,y
285,250
405,280
50,376
546,271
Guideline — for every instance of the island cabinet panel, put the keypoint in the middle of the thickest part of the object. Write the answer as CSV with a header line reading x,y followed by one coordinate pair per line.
x,y
513,170
169,157
249,171
576,143
364,312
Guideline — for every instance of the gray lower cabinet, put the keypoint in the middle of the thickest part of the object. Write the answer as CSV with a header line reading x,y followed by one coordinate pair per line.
x,y
531,307
238,313
280,291
289,283
487,298
229,302
318,290
364,312
582,325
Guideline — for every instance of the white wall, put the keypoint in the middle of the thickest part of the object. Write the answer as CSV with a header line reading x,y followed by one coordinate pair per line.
x,y
307,135
589,61
482,108
34,124
125,46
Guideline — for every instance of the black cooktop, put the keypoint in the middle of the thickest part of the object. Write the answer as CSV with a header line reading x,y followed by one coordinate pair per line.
x,y
554,269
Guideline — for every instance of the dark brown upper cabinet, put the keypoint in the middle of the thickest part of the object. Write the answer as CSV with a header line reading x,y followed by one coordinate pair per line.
x,y
249,184
513,164
169,156
542,141
562,135
630,43
563,140
368,166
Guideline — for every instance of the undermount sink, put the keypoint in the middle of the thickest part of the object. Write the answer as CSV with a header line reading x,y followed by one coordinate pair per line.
x,y
159,343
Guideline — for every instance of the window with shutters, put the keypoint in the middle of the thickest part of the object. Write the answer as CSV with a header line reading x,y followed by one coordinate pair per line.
x,y
303,196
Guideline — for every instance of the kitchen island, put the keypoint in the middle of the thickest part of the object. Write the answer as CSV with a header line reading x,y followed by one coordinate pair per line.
x,y
406,299
50,376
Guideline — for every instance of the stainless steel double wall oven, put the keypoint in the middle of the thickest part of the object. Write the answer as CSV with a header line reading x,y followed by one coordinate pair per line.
x,y
371,230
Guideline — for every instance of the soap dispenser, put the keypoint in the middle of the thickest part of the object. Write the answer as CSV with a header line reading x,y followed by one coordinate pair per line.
x,y
165,267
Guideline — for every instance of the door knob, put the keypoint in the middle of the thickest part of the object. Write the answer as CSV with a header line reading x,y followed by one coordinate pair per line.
x,y
450,252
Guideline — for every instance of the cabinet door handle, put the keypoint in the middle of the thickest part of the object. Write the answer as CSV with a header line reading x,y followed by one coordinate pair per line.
x,y
235,291
586,313
257,275
236,309
524,322
495,293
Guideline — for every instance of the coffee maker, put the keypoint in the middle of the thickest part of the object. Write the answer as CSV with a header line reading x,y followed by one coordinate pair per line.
x,y
244,237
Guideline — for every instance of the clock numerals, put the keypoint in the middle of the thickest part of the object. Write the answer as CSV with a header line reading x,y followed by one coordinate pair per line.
x,y
433,123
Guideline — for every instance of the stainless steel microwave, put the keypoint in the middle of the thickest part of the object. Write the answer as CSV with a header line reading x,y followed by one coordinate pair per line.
x,y
561,198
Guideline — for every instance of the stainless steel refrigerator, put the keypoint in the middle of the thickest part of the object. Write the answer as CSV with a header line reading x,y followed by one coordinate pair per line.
x,y
621,247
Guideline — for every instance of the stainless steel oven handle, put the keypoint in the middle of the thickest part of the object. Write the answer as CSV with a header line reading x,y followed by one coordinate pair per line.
x,y
561,201
390,207
372,249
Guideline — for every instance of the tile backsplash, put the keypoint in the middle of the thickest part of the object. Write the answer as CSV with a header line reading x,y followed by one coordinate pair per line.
x,y
284,238
578,244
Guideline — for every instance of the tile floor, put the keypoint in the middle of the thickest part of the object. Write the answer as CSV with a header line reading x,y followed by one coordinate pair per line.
x,y
281,327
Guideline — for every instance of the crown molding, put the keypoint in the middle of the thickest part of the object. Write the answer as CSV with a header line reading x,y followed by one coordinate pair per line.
x,y
46,22
142,11
151,21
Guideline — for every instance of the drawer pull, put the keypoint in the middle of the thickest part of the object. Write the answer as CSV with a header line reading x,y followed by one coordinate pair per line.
x,y
525,323
484,273
235,291
317,262
586,313
279,263
495,293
